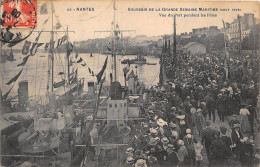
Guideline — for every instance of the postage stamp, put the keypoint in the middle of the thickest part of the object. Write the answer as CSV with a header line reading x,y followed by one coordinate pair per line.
x,y
19,13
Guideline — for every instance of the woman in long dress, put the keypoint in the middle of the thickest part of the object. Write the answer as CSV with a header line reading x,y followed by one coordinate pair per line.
x,y
245,126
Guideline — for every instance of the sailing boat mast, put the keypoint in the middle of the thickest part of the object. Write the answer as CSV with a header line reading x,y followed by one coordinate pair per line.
x,y
114,43
52,47
68,57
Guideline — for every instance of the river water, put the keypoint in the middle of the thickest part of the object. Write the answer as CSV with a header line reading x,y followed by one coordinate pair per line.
x,y
36,71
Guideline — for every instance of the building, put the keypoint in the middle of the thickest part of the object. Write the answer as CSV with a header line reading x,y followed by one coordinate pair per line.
x,y
194,48
211,31
241,24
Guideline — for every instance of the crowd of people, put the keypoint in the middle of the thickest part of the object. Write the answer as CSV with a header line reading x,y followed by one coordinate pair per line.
x,y
180,125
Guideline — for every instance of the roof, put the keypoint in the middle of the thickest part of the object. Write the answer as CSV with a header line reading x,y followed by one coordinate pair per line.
x,y
190,44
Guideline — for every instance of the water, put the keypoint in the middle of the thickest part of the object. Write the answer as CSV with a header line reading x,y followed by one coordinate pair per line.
x,y
36,71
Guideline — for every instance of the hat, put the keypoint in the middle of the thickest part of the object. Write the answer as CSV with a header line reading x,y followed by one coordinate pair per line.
x,y
152,159
219,95
234,115
199,110
170,146
165,140
140,163
154,131
130,160
181,143
181,116
189,136
173,108
182,122
188,131
175,134
130,149
153,141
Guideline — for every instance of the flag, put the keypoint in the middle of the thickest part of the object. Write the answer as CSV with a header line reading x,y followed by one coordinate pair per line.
x,y
59,84
33,49
43,9
58,43
16,40
99,75
46,46
6,95
64,38
39,44
127,68
8,36
83,64
26,47
92,73
61,73
58,26
14,78
80,60
24,61
224,25
89,70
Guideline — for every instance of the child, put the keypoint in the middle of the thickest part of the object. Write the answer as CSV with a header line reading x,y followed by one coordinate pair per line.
x,y
198,148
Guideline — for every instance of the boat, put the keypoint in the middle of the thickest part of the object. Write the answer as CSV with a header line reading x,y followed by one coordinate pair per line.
x,y
91,55
138,60
151,63
120,106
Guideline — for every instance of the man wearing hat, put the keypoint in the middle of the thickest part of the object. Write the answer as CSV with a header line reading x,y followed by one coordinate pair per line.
x,y
208,135
226,139
171,158
182,154
233,121
236,137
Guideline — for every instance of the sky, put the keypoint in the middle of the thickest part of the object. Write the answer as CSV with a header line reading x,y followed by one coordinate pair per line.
x,y
148,23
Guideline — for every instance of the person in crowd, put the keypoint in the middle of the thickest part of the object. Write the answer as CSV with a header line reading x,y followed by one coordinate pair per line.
x,y
182,154
245,126
208,135
198,147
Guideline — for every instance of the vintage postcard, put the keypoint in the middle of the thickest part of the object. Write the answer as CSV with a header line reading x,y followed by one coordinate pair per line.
x,y
129,83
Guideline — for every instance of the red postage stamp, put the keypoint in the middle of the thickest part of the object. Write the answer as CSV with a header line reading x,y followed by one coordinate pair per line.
x,y
19,13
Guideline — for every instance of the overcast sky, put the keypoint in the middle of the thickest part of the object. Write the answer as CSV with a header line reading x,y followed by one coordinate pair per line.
x,y
84,23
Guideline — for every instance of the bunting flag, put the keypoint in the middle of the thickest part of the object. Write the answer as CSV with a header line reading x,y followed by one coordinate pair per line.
x,y
58,26
126,69
89,70
26,47
46,46
61,73
16,40
59,84
8,36
99,75
14,78
69,48
33,49
24,61
92,73
83,64
43,9
80,60
58,43
64,38
6,95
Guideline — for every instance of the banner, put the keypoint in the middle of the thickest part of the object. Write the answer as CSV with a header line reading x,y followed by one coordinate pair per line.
x,y
14,78
26,47
80,60
24,61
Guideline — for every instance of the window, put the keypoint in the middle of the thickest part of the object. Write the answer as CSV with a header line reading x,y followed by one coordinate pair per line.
x,y
115,105
110,105
124,104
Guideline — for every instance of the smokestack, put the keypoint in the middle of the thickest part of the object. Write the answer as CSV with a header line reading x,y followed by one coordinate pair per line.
x,y
169,46
174,35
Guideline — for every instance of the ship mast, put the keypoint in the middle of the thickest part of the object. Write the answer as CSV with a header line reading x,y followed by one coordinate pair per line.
x,y
114,43
52,51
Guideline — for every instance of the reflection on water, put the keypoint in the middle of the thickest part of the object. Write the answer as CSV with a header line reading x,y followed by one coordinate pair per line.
x,y
36,71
